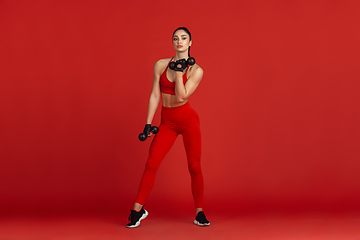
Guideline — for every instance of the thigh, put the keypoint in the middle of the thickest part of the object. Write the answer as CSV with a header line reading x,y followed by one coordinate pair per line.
x,y
192,139
161,144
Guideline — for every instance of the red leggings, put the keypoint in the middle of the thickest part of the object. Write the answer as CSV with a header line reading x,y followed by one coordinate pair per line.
x,y
174,121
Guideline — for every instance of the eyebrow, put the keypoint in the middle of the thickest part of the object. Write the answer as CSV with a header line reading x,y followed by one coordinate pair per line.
x,y
181,35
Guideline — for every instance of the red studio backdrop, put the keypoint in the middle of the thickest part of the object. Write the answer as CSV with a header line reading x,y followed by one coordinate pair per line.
x,y
278,104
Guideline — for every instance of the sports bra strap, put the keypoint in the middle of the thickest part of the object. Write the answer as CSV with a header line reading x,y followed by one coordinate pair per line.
x,y
187,69
169,63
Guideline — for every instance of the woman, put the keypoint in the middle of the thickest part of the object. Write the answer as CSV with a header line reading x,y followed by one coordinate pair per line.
x,y
177,117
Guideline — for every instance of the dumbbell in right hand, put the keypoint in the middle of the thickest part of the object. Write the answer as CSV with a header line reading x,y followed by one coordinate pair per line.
x,y
143,136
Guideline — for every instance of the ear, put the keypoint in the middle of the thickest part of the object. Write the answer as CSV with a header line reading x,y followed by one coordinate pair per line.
x,y
190,43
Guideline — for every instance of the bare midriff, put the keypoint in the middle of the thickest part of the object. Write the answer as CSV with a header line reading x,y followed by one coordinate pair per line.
x,y
169,101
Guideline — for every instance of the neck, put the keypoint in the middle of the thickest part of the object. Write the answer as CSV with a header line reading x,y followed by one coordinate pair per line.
x,y
181,55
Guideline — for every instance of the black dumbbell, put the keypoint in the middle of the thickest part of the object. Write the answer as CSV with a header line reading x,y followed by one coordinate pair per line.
x,y
143,136
191,61
172,65
184,63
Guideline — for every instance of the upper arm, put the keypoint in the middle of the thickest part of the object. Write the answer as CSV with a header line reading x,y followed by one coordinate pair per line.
x,y
193,81
156,78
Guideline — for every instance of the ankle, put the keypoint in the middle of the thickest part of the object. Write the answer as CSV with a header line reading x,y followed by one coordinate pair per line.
x,y
137,207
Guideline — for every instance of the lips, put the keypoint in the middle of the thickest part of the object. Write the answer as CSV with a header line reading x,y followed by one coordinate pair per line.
x,y
179,46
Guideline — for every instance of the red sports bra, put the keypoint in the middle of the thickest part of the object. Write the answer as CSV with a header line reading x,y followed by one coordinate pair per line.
x,y
169,87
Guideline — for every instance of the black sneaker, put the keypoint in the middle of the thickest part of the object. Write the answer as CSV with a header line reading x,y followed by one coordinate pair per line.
x,y
135,218
201,220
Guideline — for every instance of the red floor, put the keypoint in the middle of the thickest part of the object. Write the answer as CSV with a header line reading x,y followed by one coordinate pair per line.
x,y
308,226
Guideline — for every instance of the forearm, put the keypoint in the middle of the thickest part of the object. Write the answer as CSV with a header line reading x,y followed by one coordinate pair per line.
x,y
153,105
180,90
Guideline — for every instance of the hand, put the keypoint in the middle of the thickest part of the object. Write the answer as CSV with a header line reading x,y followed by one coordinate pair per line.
x,y
147,130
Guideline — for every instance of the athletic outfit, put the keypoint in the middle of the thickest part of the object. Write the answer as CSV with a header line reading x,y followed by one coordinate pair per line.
x,y
174,121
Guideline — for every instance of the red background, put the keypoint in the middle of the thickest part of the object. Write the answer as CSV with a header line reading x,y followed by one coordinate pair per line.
x,y
278,104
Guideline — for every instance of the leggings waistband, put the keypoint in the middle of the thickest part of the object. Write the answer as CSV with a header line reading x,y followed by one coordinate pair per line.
x,y
181,108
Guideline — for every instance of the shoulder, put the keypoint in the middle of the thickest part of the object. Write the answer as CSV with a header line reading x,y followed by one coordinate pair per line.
x,y
196,70
162,62
160,65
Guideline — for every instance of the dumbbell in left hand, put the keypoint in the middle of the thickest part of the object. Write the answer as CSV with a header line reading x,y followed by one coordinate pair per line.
x,y
183,64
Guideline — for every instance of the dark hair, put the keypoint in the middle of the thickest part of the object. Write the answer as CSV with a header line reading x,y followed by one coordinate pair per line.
x,y
187,31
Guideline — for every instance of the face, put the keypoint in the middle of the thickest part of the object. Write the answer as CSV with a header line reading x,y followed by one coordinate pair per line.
x,y
181,41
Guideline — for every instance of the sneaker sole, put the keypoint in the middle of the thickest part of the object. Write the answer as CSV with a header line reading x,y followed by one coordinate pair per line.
x,y
138,222
201,224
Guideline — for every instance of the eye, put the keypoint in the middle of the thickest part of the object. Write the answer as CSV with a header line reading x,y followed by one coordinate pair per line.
x,y
175,39
184,38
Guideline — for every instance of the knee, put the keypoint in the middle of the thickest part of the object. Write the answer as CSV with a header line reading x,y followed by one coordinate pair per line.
x,y
151,165
194,167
